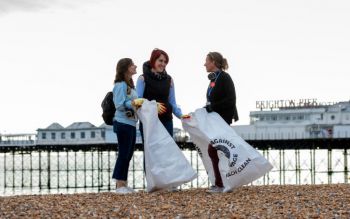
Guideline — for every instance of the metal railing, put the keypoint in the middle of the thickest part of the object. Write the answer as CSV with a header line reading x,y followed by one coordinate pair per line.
x,y
88,168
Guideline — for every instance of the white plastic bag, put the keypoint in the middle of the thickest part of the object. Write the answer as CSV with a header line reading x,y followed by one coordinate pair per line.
x,y
239,163
166,166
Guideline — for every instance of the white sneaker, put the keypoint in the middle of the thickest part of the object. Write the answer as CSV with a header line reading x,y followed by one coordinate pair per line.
x,y
130,189
215,189
173,189
123,190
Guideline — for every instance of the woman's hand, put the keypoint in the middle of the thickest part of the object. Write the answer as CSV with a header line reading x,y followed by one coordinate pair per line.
x,y
137,103
185,116
161,108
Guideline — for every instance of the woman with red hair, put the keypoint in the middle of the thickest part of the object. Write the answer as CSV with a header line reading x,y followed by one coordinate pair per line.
x,y
156,84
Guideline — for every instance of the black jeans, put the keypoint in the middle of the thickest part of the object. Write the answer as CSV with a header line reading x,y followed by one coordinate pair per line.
x,y
213,154
126,135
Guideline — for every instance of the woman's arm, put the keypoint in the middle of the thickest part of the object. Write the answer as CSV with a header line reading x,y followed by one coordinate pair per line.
x,y
119,96
140,86
172,100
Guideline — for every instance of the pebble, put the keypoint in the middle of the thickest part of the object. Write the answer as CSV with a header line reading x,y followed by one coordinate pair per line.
x,y
273,201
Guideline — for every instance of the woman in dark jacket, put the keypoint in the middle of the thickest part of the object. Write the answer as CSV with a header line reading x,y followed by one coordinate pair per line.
x,y
221,98
156,84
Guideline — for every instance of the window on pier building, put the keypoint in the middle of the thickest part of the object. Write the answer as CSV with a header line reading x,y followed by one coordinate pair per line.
x,y
72,135
82,134
63,135
53,135
92,134
103,134
332,117
43,135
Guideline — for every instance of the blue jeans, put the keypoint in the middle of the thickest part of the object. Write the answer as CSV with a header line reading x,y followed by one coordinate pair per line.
x,y
126,135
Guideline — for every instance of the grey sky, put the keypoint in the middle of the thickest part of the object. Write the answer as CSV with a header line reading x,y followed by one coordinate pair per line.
x,y
8,6
57,63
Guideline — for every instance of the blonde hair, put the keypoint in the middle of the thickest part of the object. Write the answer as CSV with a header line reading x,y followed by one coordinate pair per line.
x,y
219,60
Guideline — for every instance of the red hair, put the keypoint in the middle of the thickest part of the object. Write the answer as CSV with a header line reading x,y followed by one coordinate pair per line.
x,y
156,53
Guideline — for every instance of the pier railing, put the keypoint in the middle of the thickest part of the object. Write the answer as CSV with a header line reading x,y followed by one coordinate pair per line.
x,y
88,168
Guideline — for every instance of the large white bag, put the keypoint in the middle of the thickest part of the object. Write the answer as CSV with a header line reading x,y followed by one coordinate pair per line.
x,y
166,166
239,163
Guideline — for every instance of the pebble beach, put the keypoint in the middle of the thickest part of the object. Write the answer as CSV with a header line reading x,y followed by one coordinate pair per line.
x,y
273,201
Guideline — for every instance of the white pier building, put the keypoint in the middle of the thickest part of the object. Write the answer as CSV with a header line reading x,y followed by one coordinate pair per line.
x,y
297,119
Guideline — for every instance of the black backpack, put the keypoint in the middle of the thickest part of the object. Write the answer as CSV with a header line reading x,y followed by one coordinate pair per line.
x,y
108,108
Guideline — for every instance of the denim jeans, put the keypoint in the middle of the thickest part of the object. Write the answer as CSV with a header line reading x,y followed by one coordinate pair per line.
x,y
126,135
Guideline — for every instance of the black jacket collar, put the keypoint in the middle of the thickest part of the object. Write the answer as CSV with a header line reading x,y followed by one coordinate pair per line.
x,y
156,76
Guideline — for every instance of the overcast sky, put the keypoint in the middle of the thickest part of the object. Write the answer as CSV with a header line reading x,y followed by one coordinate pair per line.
x,y
57,59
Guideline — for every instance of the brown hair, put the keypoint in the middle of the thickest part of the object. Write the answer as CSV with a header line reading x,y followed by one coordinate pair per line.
x,y
121,69
219,60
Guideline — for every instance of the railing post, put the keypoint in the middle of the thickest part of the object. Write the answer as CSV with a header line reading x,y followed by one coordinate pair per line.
x,y
49,168
75,170
67,171
40,169
268,158
133,171
312,165
297,167
191,155
98,169
58,169
197,166
85,169
31,170
280,162
109,168
330,171
144,167
13,168
92,168
346,176
5,170
22,166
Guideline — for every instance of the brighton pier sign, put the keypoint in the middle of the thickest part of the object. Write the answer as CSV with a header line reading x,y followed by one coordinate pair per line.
x,y
301,103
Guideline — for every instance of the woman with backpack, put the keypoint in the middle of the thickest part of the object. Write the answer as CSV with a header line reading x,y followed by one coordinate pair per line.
x,y
124,122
